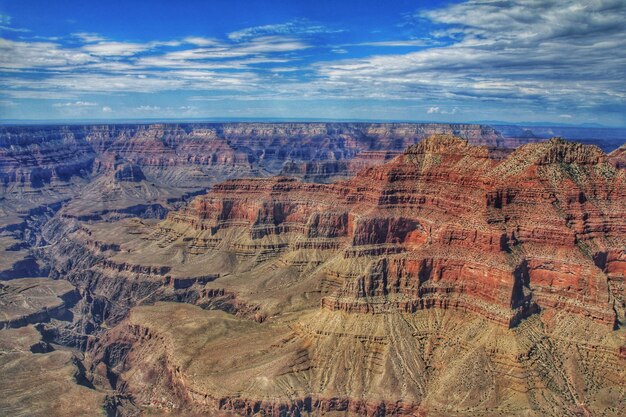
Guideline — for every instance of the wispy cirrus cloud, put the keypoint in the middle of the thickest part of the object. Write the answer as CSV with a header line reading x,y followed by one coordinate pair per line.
x,y
16,55
201,41
5,25
88,37
115,48
92,64
76,104
543,57
294,27
99,46
398,43
542,53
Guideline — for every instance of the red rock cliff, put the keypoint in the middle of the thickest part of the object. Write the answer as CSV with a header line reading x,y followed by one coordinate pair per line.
x,y
446,226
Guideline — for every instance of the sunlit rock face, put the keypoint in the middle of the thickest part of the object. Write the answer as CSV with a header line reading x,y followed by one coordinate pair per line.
x,y
441,271
388,269
444,225
36,156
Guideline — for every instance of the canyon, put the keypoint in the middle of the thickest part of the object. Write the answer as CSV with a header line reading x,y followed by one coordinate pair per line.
x,y
292,269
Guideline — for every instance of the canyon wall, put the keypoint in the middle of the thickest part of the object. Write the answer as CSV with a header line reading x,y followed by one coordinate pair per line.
x,y
443,271
33,156
388,269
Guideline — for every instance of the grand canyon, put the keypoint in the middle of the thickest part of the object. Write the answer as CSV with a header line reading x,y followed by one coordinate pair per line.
x,y
293,269
329,208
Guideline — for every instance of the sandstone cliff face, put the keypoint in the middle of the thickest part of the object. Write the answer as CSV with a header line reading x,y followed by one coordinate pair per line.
x,y
333,170
446,226
447,279
33,156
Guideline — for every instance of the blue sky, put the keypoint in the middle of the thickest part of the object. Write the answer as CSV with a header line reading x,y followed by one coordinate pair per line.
x,y
511,60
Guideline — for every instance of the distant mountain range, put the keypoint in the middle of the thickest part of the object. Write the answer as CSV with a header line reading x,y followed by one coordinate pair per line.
x,y
288,119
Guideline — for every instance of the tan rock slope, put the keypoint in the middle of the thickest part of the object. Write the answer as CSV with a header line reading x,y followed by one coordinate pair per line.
x,y
34,300
40,382
444,282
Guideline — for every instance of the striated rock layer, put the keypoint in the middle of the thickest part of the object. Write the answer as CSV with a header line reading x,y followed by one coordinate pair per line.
x,y
446,226
34,156
444,282
152,168
180,358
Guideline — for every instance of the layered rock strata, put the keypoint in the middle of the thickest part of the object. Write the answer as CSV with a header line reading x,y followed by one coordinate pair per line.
x,y
34,156
445,226
34,300
445,282
448,279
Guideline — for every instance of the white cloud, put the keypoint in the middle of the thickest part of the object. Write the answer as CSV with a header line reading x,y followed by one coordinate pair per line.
x,y
88,37
12,29
115,48
432,110
39,95
107,109
285,69
203,53
396,43
544,54
98,45
76,104
294,27
269,44
19,55
168,111
148,108
200,41
5,24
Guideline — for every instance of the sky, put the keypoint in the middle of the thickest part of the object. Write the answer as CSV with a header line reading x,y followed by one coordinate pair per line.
x,y
556,61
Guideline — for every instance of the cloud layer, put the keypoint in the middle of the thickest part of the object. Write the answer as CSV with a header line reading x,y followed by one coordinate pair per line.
x,y
538,57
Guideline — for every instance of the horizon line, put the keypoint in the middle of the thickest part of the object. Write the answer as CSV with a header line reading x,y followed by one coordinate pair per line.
x,y
19,122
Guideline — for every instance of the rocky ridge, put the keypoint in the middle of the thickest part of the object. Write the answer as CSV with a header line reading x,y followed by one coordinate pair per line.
x,y
483,250
32,157
353,276
447,279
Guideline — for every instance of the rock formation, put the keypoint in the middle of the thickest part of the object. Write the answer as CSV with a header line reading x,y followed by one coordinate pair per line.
x,y
618,157
40,381
456,277
34,300
35,156
526,233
